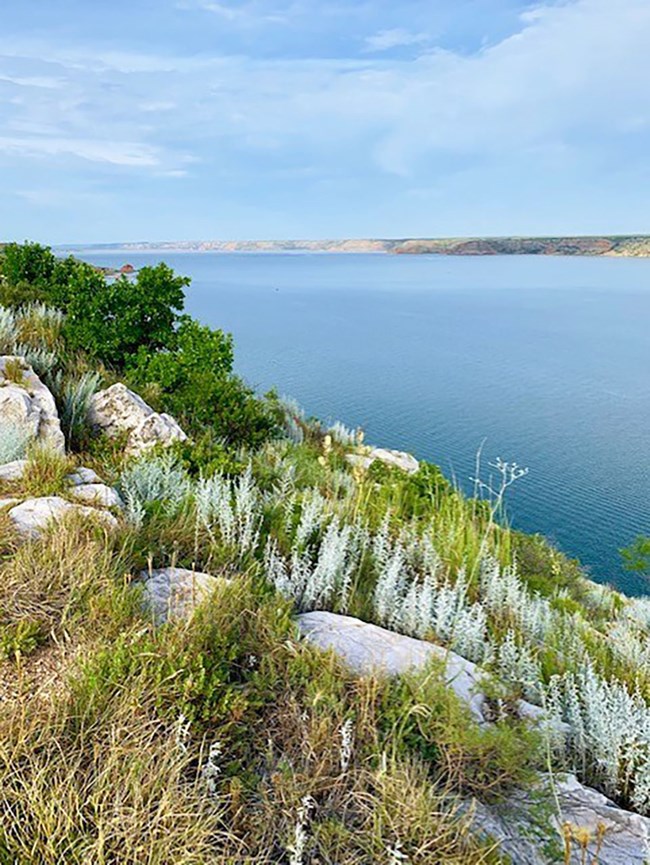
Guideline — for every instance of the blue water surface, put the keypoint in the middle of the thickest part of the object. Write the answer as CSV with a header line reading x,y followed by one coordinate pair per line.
x,y
547,358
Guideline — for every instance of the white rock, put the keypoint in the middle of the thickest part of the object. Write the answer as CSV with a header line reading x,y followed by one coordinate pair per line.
x,y
157,429
8,503
33,515
13,471
174,593
396,459
83,475
406,462
119,409
526,820
30,403
368,648
100,495
362,460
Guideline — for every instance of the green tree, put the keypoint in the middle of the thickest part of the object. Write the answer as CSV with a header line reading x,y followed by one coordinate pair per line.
x,y
27,262
636,557
112,319
26,269
193,380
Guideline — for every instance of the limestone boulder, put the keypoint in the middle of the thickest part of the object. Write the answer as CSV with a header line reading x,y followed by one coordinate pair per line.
x,y
367,649
395,459
406,462
100,495
119,410
83,475
13,471
527,819
32,516
175,593
26,401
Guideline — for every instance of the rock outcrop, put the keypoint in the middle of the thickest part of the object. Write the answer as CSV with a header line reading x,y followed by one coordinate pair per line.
x,y
119,410
32,516
25,400
97,494
395,459
82,475
175,593
526,822
368,648
13,471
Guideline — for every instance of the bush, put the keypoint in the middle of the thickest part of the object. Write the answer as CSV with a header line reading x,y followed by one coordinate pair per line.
x,y
26,270
193,380
113,320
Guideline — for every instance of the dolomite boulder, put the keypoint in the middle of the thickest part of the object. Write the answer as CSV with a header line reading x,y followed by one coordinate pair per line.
x,y
13,471
527,820
83,475
32,516
29,403
175,593
395,459
119,410
98,494
406,462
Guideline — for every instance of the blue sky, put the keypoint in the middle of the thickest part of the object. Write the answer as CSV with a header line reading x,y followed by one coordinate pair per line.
x,y
197,119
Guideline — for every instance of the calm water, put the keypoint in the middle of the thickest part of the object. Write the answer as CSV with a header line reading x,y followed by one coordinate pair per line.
x,y
546,358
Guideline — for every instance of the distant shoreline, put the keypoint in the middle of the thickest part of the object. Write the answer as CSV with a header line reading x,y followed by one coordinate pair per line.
x,y
637,245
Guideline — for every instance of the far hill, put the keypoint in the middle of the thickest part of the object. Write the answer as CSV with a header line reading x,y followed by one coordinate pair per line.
x,y
613,245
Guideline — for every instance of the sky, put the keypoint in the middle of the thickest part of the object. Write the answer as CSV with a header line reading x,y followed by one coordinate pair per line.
x,y
124,120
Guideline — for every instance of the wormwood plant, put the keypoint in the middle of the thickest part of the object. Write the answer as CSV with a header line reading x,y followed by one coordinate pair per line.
x,y
14,440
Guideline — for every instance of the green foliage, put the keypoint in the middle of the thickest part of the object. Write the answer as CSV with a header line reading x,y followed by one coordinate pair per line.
x,y
20,639
422,715
206,454
26,270
112,320
193,379
636,557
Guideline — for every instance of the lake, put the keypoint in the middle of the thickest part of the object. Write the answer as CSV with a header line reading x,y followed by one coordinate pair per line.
x,y
547,359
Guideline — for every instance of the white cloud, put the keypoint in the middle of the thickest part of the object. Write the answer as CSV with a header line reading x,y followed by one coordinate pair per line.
x,y
572,77
386,39
43,82
115,153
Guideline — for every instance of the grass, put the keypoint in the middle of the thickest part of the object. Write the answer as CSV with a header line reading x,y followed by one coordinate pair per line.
x,y
101,771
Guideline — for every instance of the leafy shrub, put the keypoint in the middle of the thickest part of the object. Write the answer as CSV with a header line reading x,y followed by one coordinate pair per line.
x,y
27,269
193,378
112,320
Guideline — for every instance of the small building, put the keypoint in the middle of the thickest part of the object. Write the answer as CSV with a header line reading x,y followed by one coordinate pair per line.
x,y
127,268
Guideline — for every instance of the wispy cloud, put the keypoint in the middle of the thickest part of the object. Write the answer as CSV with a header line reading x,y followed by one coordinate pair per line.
x,y
384,40
564,88
115,153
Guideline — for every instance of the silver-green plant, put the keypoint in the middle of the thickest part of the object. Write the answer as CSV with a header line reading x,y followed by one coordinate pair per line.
x,y
14,440
232,508
7,330
75,396
42,360
152,479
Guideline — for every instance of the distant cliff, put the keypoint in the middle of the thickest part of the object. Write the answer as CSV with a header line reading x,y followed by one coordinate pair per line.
x,y
628,245
614,245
